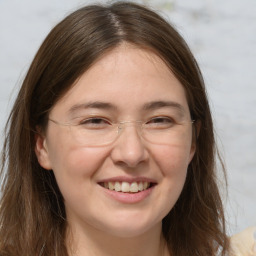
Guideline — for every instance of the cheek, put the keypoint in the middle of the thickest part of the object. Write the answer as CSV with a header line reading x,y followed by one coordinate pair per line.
x,y
74,161
173,159
73,165
75,169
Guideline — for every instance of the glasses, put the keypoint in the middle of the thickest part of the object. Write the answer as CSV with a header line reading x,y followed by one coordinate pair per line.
x,y
101,132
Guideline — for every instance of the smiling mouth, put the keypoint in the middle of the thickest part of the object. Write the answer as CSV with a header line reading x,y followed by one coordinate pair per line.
x,y
127,187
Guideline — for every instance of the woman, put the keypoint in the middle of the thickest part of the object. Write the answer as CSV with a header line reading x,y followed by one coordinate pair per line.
x,y
109,147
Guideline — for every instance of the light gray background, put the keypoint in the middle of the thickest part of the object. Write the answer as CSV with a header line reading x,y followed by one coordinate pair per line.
x,y
221,34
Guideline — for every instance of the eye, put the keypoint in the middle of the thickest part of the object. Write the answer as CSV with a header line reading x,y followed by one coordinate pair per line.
x,y
160,122
94,123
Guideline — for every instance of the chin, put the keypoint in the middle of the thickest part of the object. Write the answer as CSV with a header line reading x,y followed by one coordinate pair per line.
x,y
131,229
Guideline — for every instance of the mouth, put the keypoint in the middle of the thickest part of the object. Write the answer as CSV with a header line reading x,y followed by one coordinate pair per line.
x,y
127,187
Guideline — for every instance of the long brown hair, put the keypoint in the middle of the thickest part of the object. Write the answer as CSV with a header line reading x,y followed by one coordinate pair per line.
x,y
32,212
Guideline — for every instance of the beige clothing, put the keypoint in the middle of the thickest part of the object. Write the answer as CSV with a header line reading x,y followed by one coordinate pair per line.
x,y
244,243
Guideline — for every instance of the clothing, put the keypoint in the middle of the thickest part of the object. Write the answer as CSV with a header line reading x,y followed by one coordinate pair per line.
x,y
244,243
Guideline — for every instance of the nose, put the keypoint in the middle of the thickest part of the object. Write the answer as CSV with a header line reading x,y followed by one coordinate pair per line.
x,y
129,149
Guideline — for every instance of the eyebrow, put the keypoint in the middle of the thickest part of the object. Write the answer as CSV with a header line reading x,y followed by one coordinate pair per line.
x,y
154,105
163,104
94,104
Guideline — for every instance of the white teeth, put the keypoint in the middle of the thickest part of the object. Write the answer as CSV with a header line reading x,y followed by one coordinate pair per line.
x,y
140,186
134,187
111,186
127,187
117,187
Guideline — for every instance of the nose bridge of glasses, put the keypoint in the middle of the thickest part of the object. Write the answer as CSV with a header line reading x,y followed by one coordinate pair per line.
x,y
129,123
123,124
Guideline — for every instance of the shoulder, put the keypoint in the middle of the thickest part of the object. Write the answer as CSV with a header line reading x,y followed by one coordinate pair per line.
x,y
244,243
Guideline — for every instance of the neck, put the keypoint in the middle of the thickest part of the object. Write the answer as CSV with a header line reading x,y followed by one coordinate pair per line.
x,y
97,243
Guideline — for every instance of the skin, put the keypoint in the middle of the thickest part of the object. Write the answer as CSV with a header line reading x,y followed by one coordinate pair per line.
x,y
128,78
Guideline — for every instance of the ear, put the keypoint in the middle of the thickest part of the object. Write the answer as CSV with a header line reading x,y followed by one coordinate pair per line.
x,y
41,151
195,135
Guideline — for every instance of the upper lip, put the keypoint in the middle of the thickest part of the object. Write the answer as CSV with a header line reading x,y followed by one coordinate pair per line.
x,y
128,179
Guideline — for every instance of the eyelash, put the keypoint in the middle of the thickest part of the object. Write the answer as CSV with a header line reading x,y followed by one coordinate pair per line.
x,y
96,121
92,120
164,118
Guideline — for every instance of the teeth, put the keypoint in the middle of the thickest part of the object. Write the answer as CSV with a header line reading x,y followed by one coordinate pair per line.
x,y
127,187
117,187
134,187
140,186
145,185
111,186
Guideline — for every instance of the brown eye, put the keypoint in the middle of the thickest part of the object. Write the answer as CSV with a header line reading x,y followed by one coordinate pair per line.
x,y
160,122
94,123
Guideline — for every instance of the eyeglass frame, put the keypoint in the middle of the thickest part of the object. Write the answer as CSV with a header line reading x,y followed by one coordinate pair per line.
x,y
119,126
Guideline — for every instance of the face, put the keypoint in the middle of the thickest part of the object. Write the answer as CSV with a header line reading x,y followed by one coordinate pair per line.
x,y
127,84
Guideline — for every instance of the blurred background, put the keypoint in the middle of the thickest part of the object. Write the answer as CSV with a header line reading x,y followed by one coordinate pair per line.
x,y
222,36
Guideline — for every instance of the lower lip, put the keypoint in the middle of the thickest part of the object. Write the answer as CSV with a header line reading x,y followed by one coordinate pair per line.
x,y
129,198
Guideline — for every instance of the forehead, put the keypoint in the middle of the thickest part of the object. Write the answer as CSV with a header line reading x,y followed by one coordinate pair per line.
x,y
128,78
